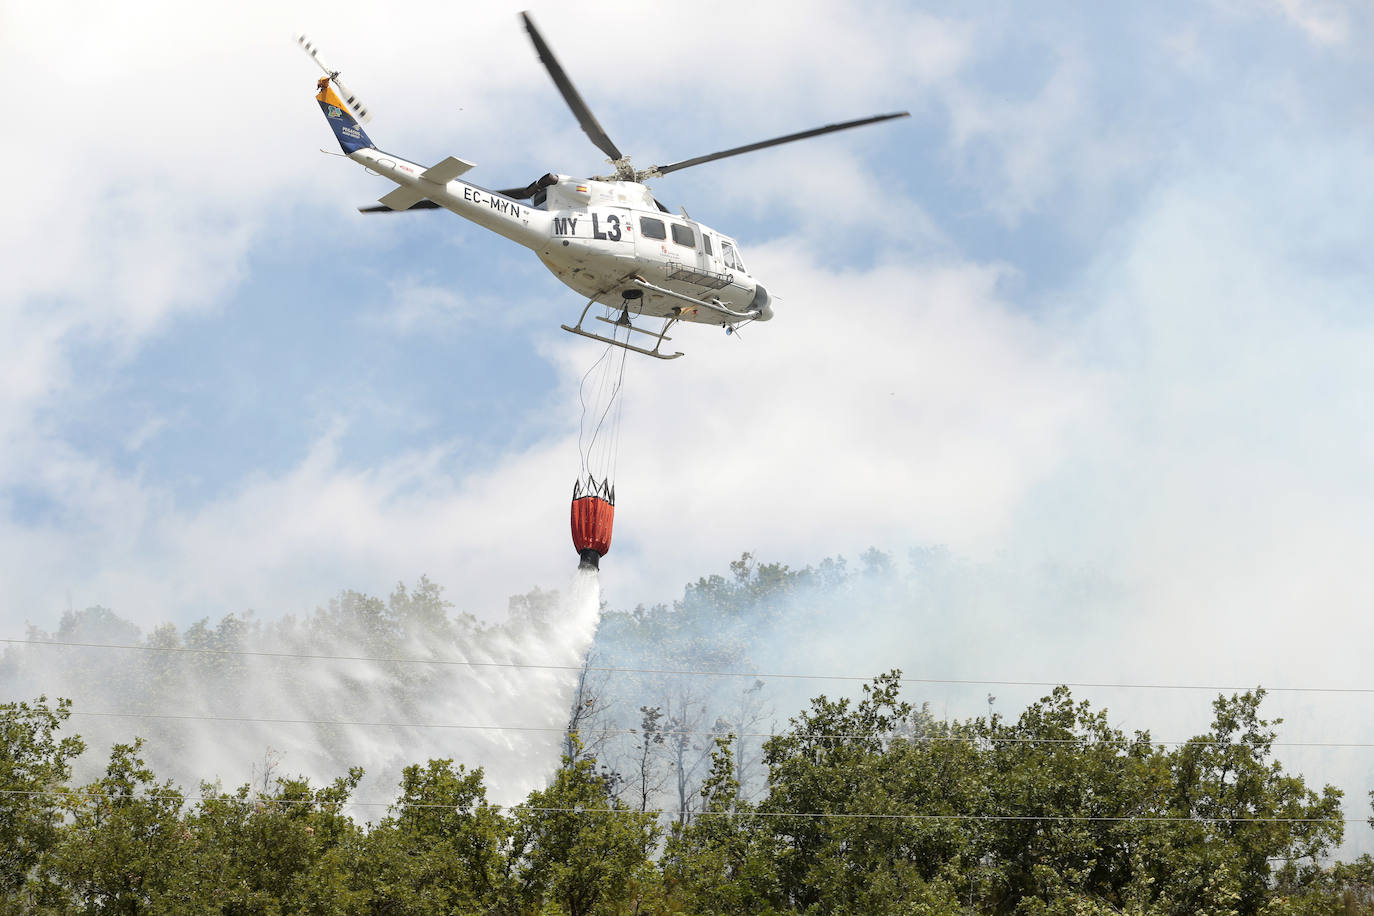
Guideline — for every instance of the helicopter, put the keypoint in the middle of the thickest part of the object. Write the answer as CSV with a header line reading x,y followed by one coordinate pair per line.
x,y
606,237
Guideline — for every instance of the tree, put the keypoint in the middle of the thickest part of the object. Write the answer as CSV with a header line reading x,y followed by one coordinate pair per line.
x,y
686,751
579,848
289,850
124,846
853,791
582,735
648,783
34,767
1066,789
722,862
442,850
1250,810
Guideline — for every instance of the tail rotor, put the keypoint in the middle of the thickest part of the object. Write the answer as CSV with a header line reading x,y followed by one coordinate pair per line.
x,y
354,104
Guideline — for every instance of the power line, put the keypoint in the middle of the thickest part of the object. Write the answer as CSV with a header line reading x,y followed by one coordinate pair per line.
x,y
675,672
324,722
664,812
697,732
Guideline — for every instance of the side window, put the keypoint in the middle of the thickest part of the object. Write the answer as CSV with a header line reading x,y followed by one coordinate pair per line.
x,y
683,235
652,228
706,240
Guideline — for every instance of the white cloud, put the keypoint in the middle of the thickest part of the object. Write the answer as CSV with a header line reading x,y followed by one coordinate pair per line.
x,y
1323,22
894,406
418,306
1224,481
908,402
1030,139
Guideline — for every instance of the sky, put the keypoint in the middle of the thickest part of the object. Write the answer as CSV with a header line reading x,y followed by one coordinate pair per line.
x,y
1102,304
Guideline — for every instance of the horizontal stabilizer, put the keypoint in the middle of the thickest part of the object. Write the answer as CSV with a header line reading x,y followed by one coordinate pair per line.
x,y
446,171
402,198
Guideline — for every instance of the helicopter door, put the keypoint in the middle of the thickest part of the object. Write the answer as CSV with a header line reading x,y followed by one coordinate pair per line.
x,y
708,251
685,244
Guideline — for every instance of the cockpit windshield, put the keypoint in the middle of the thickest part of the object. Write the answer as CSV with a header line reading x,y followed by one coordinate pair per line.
x,y
730,256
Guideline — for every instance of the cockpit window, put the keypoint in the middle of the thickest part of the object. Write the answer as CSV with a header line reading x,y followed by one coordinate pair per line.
x,y
652,228
683,235
706,240
730,257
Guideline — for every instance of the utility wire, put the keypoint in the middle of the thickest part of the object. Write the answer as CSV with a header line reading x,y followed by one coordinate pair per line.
x,y
698,732
1097,685
663,812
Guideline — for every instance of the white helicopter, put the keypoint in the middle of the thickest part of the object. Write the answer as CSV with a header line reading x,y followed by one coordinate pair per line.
x,y
606,237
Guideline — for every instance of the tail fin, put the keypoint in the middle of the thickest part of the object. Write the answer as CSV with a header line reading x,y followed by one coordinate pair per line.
x,y
346,128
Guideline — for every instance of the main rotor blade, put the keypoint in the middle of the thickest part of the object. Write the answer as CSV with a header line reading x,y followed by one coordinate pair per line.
x,y
530,189
525,193
565,86
418,205
776,141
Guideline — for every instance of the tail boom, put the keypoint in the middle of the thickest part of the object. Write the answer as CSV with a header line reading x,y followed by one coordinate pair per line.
x,y
516,221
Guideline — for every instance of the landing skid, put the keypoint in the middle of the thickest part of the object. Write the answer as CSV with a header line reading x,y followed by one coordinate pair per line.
x,y
624,322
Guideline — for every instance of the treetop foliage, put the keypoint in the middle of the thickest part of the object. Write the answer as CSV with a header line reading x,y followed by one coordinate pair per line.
x,y
872,805
857,804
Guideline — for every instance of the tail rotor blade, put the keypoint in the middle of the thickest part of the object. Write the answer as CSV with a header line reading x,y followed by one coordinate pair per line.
x,y
355,105
310,48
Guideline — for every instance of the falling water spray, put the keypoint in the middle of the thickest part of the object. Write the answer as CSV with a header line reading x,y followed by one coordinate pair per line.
x,y
315,696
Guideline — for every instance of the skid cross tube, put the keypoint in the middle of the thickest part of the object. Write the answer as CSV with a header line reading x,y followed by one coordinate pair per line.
x,y
630,327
